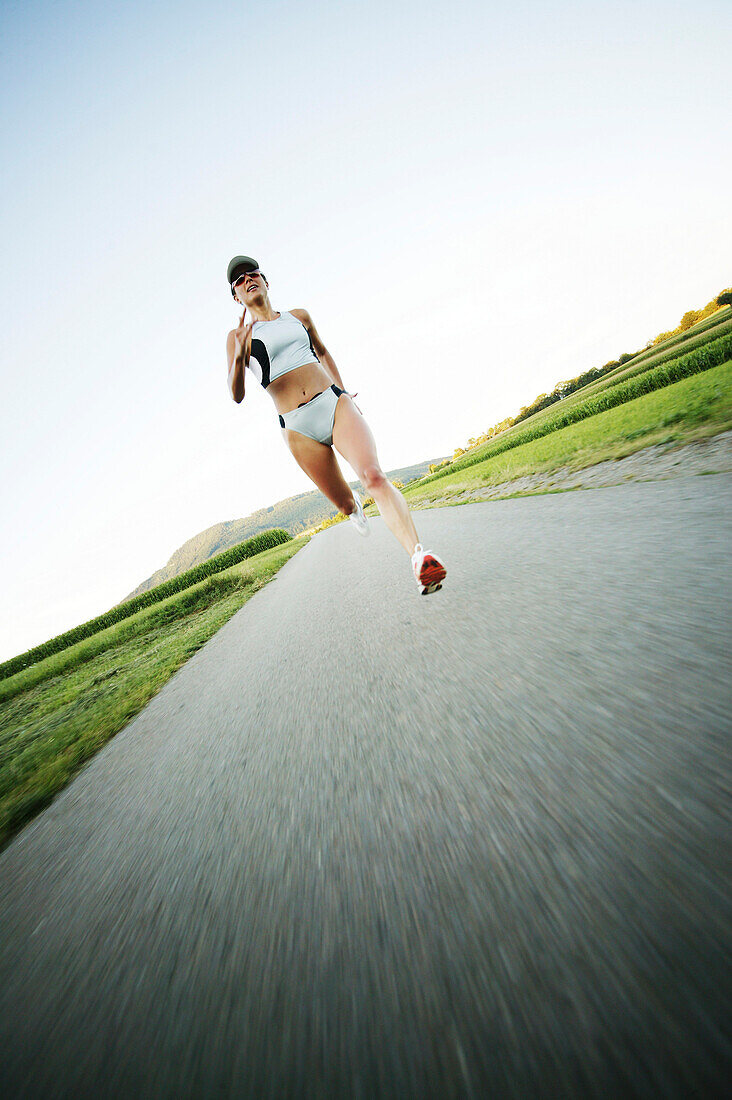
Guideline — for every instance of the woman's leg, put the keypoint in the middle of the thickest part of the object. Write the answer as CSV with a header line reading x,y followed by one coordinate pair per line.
x,y
353,439
321,466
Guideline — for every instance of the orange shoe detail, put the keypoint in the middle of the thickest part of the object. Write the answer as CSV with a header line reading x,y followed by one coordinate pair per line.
x,y
431,571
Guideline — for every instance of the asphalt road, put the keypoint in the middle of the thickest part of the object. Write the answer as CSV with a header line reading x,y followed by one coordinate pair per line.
x,y
372,844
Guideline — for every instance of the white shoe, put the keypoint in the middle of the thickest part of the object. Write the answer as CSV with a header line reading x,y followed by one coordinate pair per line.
x,y
358,519
429,571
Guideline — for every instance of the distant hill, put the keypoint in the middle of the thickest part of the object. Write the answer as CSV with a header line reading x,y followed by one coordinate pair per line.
x,y
295,514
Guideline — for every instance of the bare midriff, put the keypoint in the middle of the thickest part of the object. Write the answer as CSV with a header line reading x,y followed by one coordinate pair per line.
x,y
298,385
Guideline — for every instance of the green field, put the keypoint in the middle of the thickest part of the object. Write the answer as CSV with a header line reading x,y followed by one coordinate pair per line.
x,y
691,409
583,405
694,338
56,715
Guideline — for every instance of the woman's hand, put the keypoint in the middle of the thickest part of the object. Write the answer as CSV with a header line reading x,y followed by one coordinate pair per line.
x,y
352,396
243,340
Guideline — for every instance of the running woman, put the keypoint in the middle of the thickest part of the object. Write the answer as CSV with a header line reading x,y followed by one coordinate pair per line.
x,y
286,354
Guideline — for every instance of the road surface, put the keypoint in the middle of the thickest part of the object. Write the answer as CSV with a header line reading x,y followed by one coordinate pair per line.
x,y
372,844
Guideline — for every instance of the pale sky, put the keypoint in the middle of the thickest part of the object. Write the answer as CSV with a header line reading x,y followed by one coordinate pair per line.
x,y
473,200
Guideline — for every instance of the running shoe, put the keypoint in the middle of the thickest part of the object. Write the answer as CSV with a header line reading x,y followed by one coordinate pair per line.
x,y
429,571
357,518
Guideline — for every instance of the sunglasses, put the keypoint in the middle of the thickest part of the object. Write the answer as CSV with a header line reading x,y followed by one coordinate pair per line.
x,y
241,278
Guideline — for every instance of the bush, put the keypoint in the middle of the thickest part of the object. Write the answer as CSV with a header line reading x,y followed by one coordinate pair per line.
x,y
690,318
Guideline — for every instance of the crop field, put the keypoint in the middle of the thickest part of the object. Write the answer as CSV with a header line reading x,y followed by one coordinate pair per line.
x,y
663,353
582,404
702,329
690,409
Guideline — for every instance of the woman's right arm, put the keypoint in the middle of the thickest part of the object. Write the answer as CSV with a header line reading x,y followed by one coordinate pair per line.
x,y
236,369
238,348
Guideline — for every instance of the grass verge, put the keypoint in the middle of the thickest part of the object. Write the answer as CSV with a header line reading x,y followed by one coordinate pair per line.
x,y
56,715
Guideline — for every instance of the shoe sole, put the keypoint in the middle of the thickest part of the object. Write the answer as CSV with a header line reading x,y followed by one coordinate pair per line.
x,y
430,588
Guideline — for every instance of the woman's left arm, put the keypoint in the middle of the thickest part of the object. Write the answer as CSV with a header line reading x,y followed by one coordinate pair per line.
x,y
321,351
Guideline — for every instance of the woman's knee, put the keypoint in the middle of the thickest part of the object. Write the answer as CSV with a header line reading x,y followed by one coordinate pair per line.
x,y
373,478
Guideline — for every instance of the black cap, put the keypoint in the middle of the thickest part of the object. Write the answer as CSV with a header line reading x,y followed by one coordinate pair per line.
x,y
238,266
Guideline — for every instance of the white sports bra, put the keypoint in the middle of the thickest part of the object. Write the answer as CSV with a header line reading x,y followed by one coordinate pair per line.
x,y
278,347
